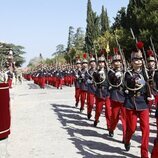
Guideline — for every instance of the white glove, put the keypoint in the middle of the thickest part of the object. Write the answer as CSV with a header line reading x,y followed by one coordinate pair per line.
x,y
83,75
101,72
77,76
110,87
150,98
118,74
89,81
140,82
127,91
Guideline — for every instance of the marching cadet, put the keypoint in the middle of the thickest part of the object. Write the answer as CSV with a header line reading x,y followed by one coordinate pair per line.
x,y
115,79
83,77
153,82
102,93
5,118
77,81
59,78
136,96
91,87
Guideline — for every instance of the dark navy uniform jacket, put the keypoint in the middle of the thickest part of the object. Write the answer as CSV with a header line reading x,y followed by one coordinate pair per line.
x,y
153,82
59,73
116,86
101,85
83,77
77,74
90,83
135,100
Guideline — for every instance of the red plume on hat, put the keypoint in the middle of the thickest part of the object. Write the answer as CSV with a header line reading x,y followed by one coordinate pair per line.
x,y
84,55
150,53
102,52
116,50
140,44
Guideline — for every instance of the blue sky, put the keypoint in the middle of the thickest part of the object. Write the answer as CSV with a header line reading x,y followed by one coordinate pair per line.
x,y
40,25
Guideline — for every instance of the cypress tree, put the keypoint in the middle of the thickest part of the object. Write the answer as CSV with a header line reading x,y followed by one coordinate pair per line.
x,y
70,38
104,21
90,28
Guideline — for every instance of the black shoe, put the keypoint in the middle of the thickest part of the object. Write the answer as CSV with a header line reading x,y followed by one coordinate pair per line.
x,y
95,123
81,109
76,104
127,146
89,116
111,134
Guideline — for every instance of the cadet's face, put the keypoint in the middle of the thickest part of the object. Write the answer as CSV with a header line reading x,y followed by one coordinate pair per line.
x,y
78,65
137,63
101,64
117,64
151,64
84,65
93,64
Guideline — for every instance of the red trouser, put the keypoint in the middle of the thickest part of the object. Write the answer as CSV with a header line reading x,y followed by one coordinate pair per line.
x,y
77,94
154,152
132,116
116,108
59,83
99,106
90,102
156,103
83,98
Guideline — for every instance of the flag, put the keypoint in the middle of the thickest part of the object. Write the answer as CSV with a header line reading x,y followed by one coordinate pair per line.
x,y
107,48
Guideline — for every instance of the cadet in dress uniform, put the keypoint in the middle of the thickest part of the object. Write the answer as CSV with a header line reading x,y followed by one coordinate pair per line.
x,y
102,93
77,73
136,96
84,85
91,87
115,80
153,82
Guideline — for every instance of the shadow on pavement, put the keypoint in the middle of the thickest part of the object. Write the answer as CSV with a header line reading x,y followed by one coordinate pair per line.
x,y
71,120
33,86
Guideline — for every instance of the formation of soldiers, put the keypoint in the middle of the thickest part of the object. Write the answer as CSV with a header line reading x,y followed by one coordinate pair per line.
x,y
126,92
123,90
56,76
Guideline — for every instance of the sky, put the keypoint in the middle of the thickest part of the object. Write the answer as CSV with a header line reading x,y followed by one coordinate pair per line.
x,y
40,25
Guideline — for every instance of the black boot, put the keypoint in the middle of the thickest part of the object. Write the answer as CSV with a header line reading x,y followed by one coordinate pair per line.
x,y
111,134
127,146
95,123
81,109
89,116
76,104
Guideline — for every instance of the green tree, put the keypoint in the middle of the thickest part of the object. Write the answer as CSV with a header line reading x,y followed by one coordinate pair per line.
x,y
70,38
79,38
18,52
90,28
120,19
104,21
